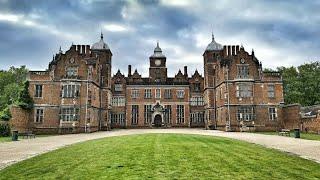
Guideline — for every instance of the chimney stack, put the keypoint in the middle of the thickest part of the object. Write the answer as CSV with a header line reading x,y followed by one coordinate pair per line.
x,y
79,48
129,70
225,51
87,49
233,50
237,49
185,70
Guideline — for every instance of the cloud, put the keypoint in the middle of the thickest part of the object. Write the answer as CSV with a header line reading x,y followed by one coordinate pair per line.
x,y
280,32
115,27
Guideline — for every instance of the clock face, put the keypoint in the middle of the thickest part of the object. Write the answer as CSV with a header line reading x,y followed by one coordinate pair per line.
x,y
157,62
242,61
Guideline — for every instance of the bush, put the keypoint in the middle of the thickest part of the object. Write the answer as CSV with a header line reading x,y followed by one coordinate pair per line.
x,y
25,101
4,129
5,115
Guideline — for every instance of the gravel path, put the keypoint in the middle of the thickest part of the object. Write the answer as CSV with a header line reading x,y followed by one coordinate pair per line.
x,y
12,152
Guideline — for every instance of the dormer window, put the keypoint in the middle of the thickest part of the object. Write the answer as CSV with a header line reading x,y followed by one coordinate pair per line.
x,y
72,71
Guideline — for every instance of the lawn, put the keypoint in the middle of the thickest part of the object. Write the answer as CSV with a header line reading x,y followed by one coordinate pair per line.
x,y
4,139
303,135
164,156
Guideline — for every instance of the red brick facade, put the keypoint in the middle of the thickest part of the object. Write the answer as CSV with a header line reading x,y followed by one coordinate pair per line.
x,y
77,93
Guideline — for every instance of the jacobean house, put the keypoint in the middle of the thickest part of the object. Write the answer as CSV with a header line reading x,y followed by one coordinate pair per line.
x,y
78,93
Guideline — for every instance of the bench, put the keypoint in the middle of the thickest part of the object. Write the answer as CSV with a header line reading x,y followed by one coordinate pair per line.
x,y
27,135
284,132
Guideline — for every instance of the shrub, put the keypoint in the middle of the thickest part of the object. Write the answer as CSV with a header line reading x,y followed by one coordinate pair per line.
x,y
5,114
4,129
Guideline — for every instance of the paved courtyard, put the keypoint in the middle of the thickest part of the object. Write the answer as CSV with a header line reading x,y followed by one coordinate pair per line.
x,y
12,152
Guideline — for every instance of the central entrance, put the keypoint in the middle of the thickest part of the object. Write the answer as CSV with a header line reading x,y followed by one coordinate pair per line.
x,y
157,120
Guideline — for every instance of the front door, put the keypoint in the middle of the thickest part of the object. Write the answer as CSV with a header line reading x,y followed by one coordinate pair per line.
x,y
157,120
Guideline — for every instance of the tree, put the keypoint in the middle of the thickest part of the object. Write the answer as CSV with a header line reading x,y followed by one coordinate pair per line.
x,y
302,84
24,100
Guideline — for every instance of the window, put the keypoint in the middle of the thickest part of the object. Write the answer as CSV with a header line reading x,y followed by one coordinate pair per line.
x,y
273,113
180,114
244,90
39,115
271,91
134,114
167,94
158,93
70,91
180,93
245,113
196,101
72,71
147,94
197,117
69,114
38,91
243,71
197,87
167,113
117,87
118,101
117,118
134,93
147,113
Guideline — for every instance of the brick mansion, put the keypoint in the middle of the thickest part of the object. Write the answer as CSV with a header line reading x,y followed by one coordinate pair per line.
x,y
78,93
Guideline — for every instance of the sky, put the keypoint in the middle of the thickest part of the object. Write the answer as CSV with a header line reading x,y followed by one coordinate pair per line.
x,y
282,33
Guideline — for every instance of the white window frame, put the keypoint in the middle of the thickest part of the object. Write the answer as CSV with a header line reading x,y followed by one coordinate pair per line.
x,y
70,90
135,93
167,94
72,71
158,93
271,91
118,87
148,93
180,93
69,114
244,90
38,118
273,115
134,115
38,92
180,114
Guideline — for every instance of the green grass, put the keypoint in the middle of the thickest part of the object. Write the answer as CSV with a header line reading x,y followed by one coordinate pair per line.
x,y
164,156
5,139
303,135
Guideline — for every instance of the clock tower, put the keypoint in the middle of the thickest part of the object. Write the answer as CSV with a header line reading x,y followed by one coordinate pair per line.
x,y
158,69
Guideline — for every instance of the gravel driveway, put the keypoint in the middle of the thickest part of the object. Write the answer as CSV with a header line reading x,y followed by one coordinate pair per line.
x,y
12,152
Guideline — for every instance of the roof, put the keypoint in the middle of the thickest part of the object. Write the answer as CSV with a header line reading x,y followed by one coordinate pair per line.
x,y
214,46
101,45
157,53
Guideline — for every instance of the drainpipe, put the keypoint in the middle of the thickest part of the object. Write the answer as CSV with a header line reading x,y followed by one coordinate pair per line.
x,y
87,98
229,119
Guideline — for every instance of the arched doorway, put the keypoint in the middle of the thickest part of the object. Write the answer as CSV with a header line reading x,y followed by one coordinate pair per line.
x,y
157,120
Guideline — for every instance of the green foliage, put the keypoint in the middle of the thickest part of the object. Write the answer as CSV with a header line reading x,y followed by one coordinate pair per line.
x,y
301,84
4,129
11,87
164,156
5,114
24,100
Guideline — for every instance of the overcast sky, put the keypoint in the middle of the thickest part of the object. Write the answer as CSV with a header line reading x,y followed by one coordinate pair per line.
x,y
282,33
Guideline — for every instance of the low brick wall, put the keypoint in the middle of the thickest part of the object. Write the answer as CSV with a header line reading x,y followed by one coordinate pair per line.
x,y
311,124
291,116
20,119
